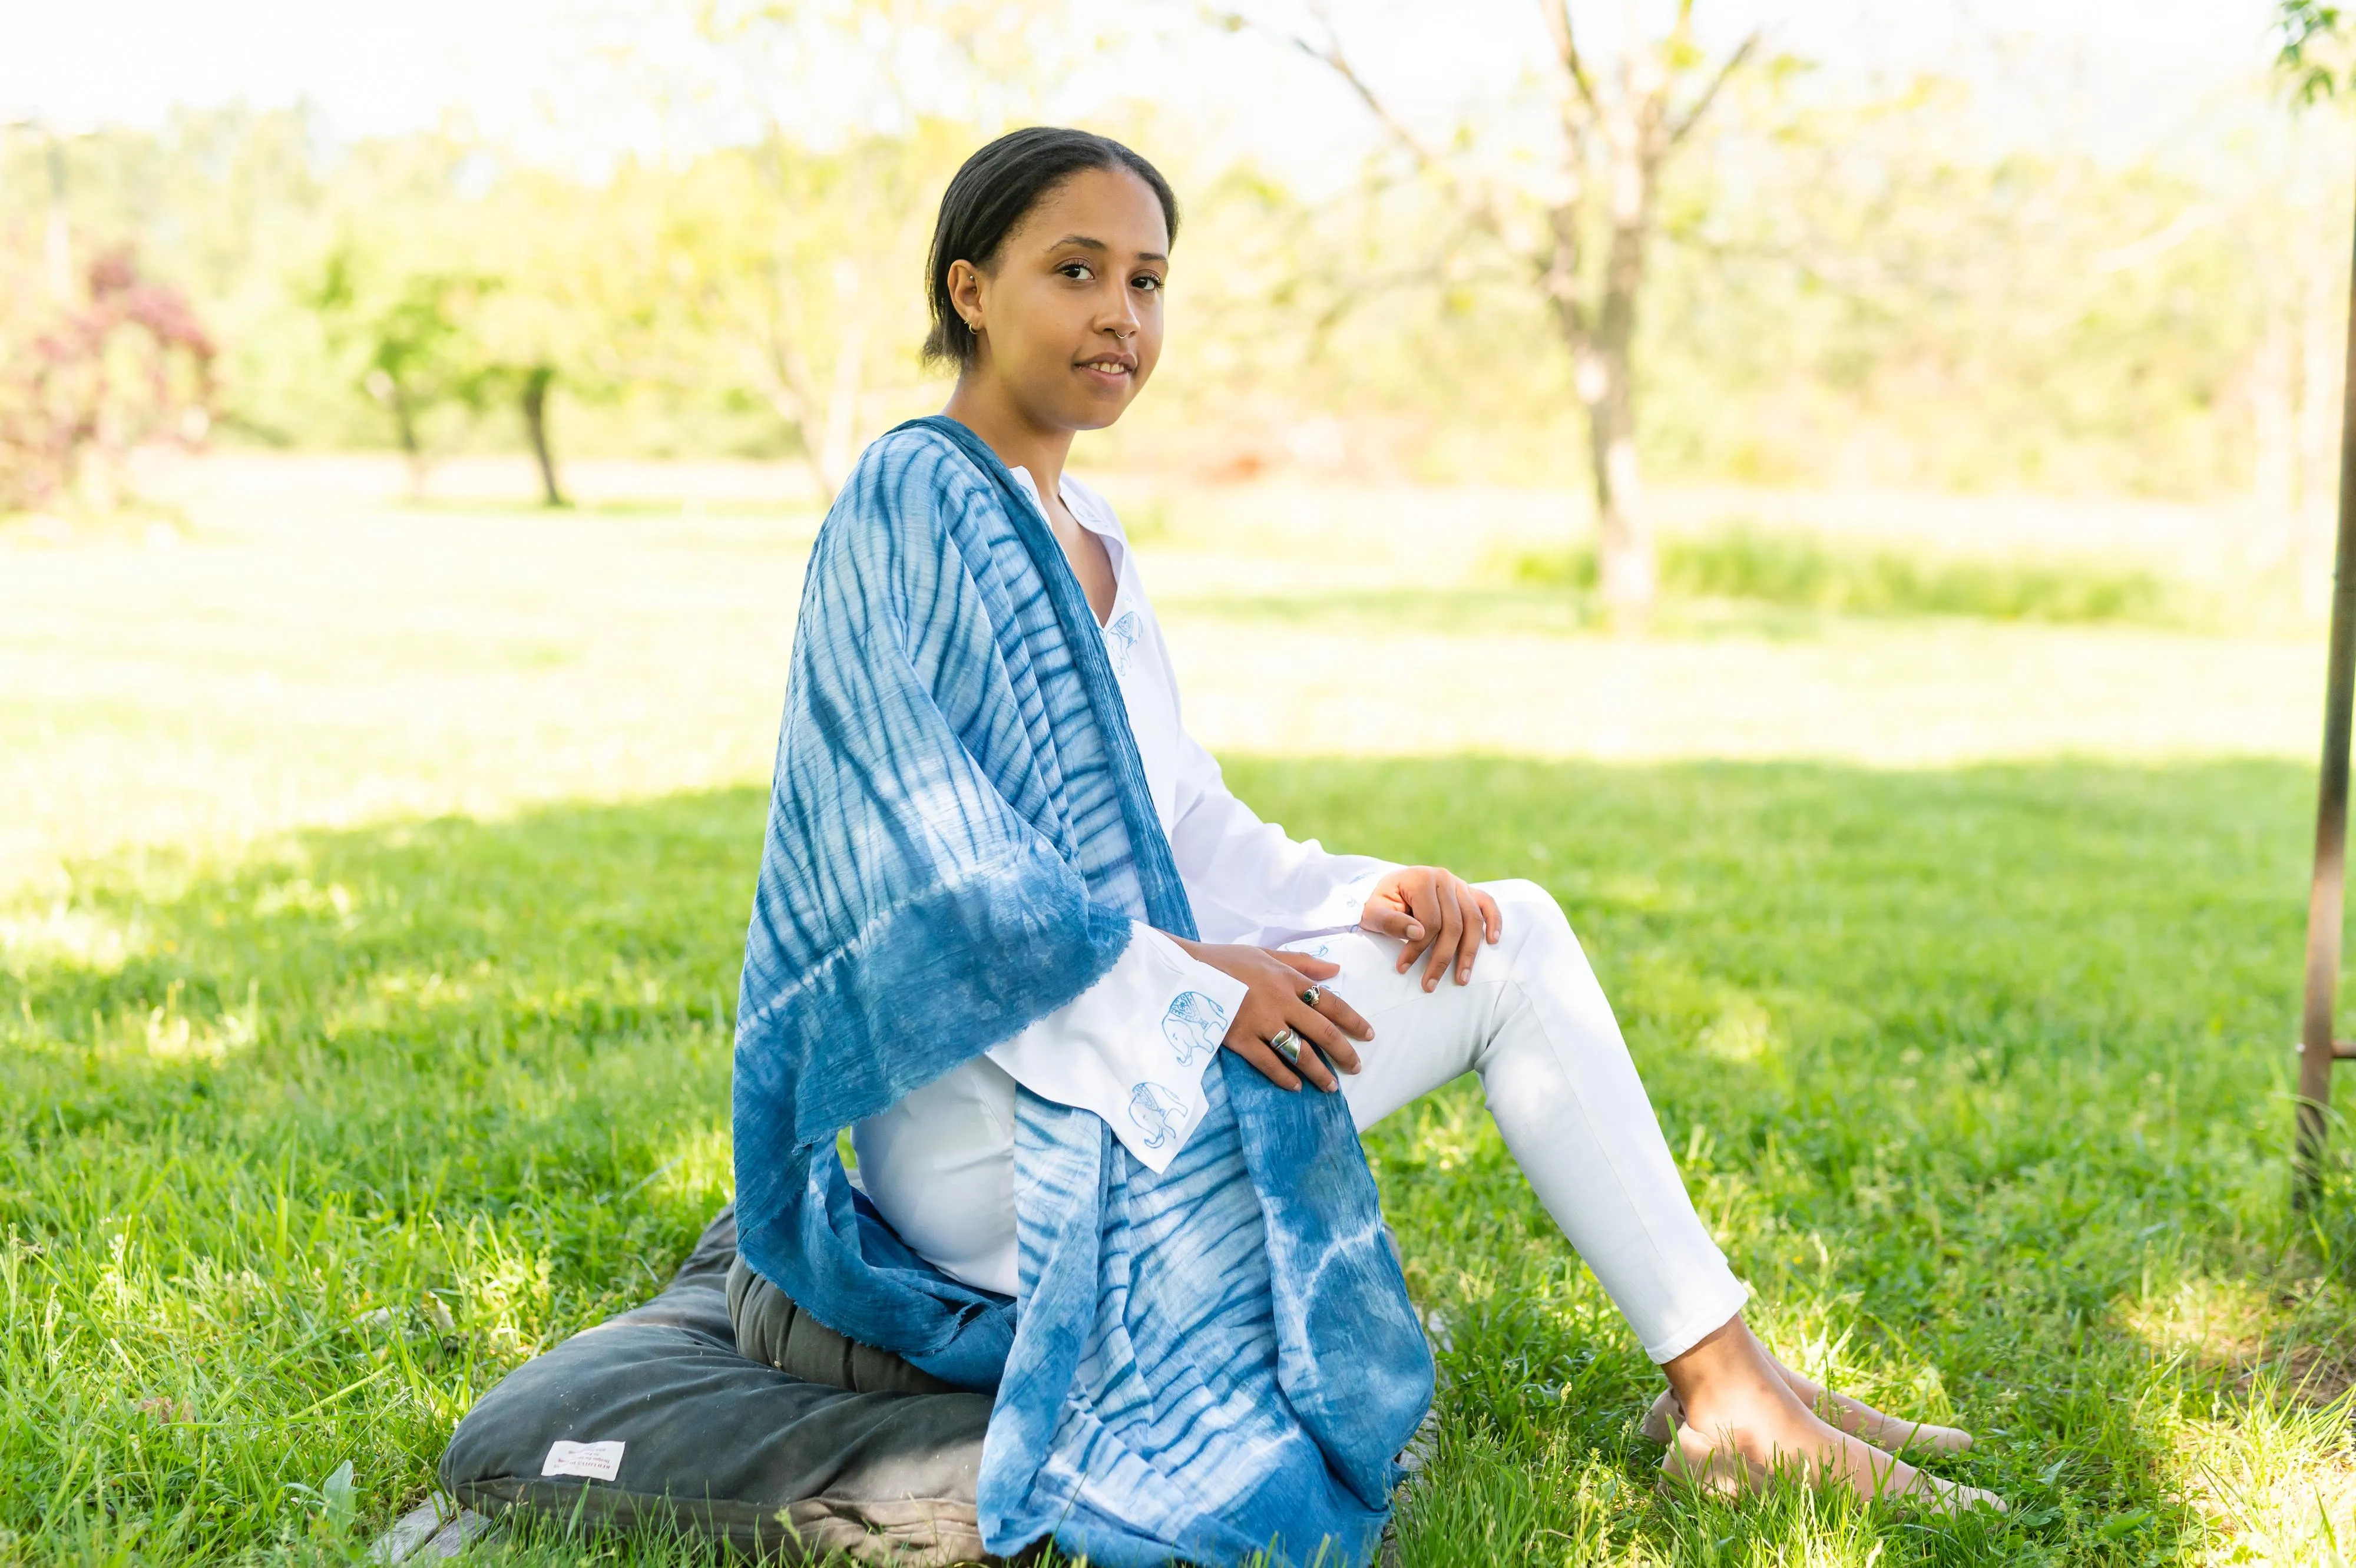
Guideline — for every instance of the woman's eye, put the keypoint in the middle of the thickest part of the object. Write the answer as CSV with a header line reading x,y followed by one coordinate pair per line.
x,y
1147,282
1076,269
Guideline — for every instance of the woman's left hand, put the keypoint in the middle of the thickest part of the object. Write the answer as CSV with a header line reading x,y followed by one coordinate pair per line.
x,y
1436,913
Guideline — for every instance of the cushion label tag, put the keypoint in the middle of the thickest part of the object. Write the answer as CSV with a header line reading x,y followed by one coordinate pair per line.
x,y
600,1461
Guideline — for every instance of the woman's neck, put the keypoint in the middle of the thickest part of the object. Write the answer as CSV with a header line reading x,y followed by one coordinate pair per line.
x,y
983,408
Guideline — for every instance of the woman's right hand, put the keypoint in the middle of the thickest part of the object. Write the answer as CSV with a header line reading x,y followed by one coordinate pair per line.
x,y
1276,980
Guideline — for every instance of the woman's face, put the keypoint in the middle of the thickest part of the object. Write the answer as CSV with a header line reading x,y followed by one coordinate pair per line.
x,y
1071,313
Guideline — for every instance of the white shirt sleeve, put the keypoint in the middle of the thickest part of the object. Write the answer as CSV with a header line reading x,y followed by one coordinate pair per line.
x,y
1132,1046
1249,882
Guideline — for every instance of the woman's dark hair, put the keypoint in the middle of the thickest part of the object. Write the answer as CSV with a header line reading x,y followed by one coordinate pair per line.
x,y
995,191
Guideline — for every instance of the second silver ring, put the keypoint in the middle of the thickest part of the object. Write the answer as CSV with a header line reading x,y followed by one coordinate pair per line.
x,y
1285,1043
1314,995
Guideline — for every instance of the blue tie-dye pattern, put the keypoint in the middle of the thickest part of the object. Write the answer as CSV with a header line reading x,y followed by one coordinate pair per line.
x,y
960,837
1193,1026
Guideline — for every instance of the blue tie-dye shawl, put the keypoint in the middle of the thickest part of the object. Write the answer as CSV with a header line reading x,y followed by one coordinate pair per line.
x,y
1204,1364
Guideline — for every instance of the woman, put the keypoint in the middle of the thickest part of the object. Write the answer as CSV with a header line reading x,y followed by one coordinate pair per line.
x,y
1104,1038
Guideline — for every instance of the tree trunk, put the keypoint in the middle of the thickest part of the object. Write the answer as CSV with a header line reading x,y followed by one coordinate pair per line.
x,y
786,397
838,450
792,390
2323,312
404,423
535,424
1623,534
58,242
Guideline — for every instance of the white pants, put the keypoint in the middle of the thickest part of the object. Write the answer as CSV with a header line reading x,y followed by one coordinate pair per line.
x,y
1534,1024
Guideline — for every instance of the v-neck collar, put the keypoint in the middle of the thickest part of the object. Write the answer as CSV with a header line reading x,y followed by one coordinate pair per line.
x,y
1105,529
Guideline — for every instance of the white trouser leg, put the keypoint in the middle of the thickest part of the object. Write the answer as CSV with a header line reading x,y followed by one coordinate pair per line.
x,y
1534,1025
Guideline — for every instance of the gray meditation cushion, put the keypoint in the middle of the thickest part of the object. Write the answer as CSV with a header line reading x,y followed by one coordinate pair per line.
x,y
655,1418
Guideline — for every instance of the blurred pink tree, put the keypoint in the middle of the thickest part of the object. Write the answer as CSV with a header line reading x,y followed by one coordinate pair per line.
x,y
87,380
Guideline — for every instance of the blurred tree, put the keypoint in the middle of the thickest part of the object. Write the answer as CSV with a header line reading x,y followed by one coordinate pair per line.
x,y
805,264
1861,284
407,335
532,397
1616,132
552,319
2315,57
86,381
1866,289
2318,54
813,275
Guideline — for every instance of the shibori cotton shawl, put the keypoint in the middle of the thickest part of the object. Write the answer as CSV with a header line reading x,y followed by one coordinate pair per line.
x,y
1215,1361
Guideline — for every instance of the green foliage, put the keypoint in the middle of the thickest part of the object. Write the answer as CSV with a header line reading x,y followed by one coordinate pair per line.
x,y
1866,287
1820,572
1851,289
408,335
2313,59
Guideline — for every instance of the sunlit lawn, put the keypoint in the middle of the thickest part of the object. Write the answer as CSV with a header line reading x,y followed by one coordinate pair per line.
x,y
371,915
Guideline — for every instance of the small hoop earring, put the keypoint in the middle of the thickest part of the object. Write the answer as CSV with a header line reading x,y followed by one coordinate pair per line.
x,y
974,328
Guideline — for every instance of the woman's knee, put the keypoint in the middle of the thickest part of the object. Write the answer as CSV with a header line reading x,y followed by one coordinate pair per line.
x,y
770,1329
1529,907
1538,933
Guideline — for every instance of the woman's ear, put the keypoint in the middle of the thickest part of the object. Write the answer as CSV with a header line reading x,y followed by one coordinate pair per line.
x,y
965,293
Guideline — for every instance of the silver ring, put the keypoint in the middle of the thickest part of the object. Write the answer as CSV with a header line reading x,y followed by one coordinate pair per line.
x,y
1285,1043
1314,995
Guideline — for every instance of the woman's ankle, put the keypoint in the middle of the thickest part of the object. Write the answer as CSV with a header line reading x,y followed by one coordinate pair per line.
x,y
1727,1361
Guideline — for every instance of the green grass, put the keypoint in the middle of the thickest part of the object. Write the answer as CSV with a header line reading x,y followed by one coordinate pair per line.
x,y
371,883
1980,1075
1528,609
1815,571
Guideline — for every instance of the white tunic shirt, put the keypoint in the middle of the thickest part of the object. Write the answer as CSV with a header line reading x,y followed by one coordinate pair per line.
x,y
940,1163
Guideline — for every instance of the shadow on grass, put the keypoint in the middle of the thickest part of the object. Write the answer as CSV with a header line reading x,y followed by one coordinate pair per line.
x,y
1979,1074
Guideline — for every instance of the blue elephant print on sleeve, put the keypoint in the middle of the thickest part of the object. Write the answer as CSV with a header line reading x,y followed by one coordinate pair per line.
x,y
1158,1111
1193,1026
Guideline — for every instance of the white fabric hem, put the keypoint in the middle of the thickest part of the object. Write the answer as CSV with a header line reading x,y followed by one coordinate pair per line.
x,y
1701,1323
1133,1047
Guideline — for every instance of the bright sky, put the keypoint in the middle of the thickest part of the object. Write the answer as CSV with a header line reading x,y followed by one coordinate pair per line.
x,y
551,74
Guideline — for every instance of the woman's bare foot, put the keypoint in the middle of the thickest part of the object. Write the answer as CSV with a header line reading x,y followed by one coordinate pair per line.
x,y
1857,1418
1726,1470
1743,1423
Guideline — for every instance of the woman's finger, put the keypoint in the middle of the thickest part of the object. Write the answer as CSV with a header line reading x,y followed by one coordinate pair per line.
x,y
1309,964
1312,1066
1493,919
1271,1066
1386,921
1443,946
1343,1014
1468,943
1416,888
1313,1024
